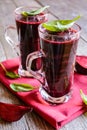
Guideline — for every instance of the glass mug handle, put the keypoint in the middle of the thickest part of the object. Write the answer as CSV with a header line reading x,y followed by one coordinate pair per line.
x,y
39,75
10,41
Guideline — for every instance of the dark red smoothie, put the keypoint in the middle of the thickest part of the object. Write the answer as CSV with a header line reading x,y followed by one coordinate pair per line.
x,y
27,29
58,63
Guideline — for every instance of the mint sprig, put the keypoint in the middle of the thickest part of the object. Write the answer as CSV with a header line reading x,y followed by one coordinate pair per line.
x,y
84,97
12,75
59,25
21,87
9,74
34,12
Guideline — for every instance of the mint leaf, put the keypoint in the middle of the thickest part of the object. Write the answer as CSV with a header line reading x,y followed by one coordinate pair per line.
x,y
84,97
12,75
59,25
21,87
34,12
9,74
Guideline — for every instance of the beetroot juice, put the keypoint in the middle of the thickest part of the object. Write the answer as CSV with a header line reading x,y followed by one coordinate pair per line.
x,y
58,62
58,53
27,29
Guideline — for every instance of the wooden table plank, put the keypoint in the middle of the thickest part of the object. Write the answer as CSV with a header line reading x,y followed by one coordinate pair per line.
x,y
32,121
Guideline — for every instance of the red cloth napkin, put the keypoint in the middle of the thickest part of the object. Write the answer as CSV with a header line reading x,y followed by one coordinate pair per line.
x,y
57,115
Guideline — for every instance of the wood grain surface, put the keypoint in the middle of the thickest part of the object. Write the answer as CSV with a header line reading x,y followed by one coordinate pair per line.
x,y
58,9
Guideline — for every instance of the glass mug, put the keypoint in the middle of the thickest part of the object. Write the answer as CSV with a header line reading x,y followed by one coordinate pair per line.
x,y
58,53
28,38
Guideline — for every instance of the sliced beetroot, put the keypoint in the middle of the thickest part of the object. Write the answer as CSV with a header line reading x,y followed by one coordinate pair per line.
x,y
12,112
81,65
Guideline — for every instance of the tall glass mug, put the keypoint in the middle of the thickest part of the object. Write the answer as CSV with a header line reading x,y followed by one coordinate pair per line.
x,y
27,31
58,53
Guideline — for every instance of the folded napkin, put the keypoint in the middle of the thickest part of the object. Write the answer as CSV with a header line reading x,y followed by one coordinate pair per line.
x,y
56,115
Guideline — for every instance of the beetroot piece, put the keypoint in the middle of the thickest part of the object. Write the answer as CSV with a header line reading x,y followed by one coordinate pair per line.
x,y
81,65
12,112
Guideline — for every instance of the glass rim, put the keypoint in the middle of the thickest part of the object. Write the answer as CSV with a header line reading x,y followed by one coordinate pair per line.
x,y
75,24
31,7
41,18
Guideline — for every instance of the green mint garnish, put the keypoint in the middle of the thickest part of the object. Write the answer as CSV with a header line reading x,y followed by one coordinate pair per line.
x,y
12,75
84,97
34,12
9,74
21,87
60,25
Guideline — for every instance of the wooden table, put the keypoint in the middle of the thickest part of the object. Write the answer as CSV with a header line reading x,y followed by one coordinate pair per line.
x,y
58,9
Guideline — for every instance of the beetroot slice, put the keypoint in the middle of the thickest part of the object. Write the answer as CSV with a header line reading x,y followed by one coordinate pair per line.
x,y
12,112
81,65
